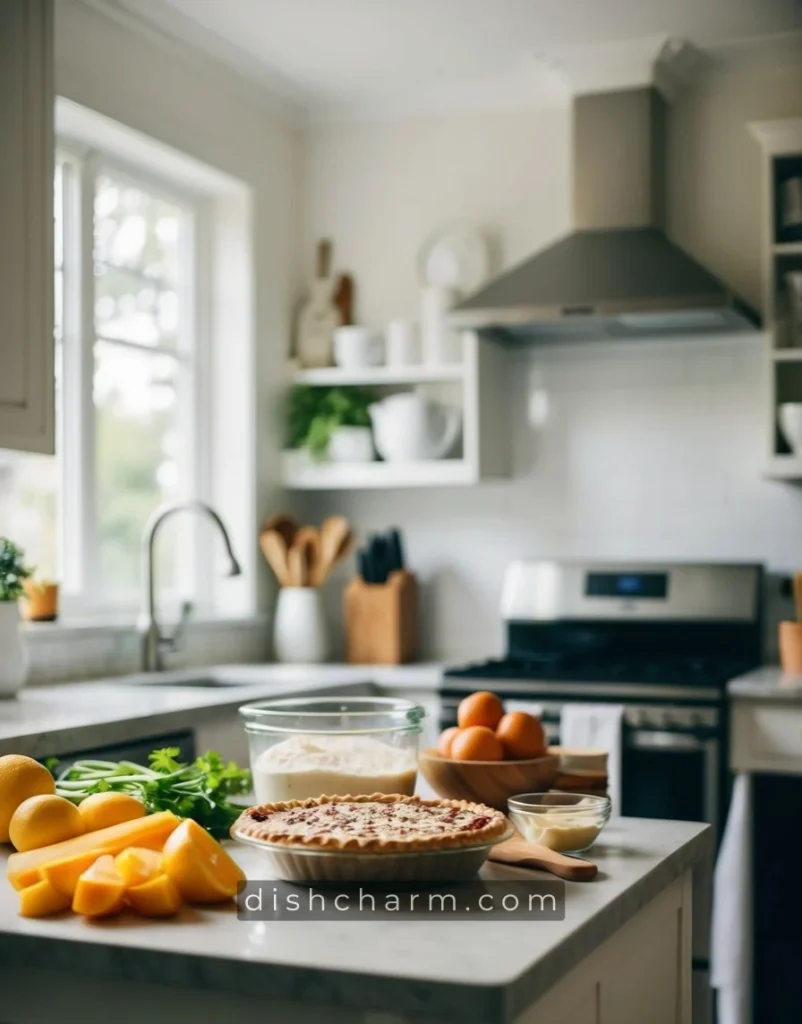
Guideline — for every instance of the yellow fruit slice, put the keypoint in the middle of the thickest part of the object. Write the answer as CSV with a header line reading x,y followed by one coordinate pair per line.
x,y
151,831
138,865
159,897
199,866
42,899
101,810
100,890
64,874
20,777
43,820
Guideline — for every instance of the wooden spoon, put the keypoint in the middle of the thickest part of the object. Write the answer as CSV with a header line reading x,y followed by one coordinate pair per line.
x,y
526,854
335,543
298,568
307,539
274,548
284,524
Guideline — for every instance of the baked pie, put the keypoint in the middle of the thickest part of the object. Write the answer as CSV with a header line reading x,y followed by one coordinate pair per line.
x,y
380,823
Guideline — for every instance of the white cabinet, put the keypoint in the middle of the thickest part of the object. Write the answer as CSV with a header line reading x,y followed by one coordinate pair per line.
x,y
766,736
26,225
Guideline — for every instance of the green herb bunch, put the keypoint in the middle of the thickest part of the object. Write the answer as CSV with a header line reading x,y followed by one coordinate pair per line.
x,y
315,413
13,572
200,790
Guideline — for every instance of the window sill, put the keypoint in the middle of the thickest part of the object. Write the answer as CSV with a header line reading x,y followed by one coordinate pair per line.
x,y
66,630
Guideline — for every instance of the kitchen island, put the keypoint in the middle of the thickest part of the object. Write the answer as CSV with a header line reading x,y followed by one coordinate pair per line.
x,y
623,953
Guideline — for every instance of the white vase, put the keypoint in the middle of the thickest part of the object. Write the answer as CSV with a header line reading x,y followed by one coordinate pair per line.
x,y
13,652
300,633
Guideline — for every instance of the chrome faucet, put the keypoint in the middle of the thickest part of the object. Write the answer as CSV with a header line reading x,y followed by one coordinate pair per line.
x,y
155,644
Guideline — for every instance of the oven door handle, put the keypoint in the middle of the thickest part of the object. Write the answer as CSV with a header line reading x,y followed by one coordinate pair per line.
x,y
647,739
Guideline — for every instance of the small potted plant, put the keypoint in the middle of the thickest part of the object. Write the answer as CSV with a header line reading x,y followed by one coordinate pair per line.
x,y
332,423
13,655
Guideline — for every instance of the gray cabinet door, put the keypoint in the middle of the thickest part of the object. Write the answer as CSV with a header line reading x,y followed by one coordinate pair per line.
x,y
26,225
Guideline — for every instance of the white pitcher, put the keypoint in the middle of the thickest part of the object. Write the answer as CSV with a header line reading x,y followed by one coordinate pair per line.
x,y
408,427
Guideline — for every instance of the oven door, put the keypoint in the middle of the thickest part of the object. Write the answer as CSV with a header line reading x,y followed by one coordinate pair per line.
x,y
671,775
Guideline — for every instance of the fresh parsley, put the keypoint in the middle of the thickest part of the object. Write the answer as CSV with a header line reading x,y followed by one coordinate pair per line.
x,y
200,790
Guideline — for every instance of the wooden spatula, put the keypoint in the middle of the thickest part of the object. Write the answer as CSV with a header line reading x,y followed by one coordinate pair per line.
x,y
307,540
335,541
284,524
274,548
525,854
798,595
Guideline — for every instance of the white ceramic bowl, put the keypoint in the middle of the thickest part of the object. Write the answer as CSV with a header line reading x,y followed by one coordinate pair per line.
x,y
789,415
351,444
356,347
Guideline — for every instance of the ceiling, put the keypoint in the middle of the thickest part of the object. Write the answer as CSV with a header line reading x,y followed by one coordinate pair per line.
x,y
319,53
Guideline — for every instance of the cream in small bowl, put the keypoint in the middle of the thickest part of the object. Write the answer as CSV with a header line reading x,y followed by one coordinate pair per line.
x,y
564,822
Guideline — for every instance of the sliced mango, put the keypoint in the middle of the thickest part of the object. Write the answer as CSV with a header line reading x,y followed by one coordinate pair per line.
x,y
199,866
100,891
158,897
42,898
138,865
151,831
64,874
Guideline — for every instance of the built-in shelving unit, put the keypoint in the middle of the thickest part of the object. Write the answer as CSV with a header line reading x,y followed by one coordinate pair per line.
x,y
476,385
781,142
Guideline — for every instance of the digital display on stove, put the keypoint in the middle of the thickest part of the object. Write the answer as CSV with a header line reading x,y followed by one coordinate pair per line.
x,y
642,585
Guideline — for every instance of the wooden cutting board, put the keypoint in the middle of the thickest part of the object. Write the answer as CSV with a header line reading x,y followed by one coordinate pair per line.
x,y
319,316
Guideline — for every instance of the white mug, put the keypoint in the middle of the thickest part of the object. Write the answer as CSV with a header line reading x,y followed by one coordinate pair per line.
x,y
356,346
402,343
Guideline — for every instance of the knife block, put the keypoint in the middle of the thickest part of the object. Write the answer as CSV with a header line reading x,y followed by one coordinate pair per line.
x,y
381,620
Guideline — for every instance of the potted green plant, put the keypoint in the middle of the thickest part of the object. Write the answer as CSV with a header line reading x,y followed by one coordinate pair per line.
x,y
13,655
331,423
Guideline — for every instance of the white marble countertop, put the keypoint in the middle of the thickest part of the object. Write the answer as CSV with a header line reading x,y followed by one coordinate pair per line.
x,y
767,683
59,719
446,970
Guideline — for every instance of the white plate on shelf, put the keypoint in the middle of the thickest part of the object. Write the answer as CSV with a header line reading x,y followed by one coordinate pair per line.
x,y
454,256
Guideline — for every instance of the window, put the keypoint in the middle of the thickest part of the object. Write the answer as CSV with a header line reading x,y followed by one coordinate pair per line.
x,y
127,386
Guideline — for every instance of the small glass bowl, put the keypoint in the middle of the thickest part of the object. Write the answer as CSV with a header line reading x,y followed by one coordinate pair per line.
x,y
333,746
564,822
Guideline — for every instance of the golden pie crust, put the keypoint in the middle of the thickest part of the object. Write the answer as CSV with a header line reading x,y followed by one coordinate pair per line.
x,y
379,823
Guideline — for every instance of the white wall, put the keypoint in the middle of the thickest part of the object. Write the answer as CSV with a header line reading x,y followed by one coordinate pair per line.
x,y
650,449
189,105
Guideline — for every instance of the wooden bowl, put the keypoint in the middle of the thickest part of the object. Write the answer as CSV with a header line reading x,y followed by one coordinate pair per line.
x,y
487,782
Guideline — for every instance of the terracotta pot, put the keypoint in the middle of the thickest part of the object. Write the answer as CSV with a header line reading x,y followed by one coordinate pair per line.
x,y
41,601
791,646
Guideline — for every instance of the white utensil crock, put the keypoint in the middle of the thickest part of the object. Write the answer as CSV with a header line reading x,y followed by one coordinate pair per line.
x,y
351,444
403,348
13,652
300,633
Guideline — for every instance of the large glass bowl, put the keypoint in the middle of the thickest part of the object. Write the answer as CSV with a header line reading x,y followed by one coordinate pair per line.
x,y
332,746
565,822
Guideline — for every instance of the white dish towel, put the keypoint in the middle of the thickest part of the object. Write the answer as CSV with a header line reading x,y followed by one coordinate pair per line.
x,y
731,934
597,727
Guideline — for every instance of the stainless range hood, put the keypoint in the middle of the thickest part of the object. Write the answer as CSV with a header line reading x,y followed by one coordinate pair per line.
x,y
617,275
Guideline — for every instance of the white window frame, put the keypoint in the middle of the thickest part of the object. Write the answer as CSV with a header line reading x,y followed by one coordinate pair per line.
x,y
82,587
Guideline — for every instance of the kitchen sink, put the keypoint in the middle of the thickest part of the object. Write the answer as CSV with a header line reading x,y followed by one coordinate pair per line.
x,y
202,683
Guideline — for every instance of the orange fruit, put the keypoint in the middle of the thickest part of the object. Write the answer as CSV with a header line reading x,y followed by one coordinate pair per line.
x,y
20,777
199,866
446,739
103,809
477,743
158,897
43,820
42,898
521,735
138,865
100,889
64,874
480,708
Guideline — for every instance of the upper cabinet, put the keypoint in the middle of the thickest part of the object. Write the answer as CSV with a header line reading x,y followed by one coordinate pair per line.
x,y
26,225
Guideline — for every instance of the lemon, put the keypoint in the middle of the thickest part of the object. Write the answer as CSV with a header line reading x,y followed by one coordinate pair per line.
x,y
103,809
44,820
20,777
